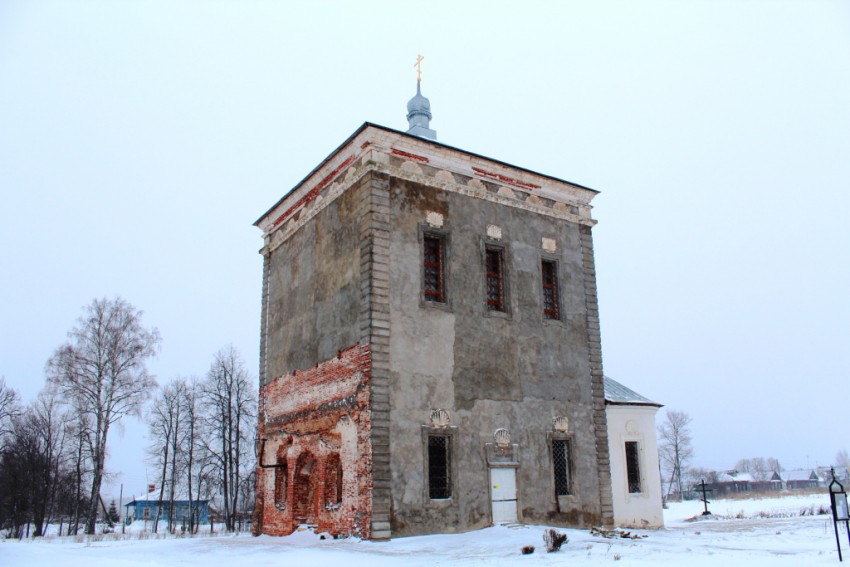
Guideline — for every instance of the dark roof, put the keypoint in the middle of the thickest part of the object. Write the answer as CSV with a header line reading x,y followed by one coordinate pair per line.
x,y
399,132
617,394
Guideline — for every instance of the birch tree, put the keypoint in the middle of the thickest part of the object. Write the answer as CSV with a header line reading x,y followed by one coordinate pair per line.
x,y
164,423
191,446
674,447
102,371
230,402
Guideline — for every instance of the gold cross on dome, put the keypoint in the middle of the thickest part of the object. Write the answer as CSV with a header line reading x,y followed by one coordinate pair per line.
x,y
418,66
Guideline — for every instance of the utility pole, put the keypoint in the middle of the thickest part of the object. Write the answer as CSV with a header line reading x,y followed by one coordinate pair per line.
x,y
120,504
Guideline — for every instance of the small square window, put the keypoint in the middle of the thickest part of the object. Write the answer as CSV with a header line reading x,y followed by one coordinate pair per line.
x,y
433,268
549,271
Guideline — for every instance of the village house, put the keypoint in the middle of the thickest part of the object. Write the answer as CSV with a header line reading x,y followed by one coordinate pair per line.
x,y
430,349
146,508
804,479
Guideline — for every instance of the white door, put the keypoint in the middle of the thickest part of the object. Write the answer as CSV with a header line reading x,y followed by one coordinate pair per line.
x,y
503,494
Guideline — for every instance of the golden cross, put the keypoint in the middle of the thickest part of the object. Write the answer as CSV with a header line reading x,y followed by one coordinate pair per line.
x,y
418,66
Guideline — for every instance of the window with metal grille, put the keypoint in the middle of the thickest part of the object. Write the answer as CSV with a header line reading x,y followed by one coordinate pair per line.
x,y
561,462
439,467
433,288
549,270
495,280
633,466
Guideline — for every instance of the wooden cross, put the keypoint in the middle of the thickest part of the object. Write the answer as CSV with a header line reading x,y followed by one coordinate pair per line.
x,y
701,487
418,66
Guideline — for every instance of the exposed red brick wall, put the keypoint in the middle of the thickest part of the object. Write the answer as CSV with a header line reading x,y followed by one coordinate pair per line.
x,y
314,192
505,179
402,153
308,420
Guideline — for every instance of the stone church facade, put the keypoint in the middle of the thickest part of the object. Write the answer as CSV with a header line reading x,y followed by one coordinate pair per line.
x,y
430,354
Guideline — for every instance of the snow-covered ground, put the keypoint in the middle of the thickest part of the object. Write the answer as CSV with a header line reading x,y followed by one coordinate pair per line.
x,y
783,539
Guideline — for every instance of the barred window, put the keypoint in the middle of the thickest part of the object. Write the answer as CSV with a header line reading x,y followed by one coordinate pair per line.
x,y
561,465
433,288
633,466
439,467
495,279
549,270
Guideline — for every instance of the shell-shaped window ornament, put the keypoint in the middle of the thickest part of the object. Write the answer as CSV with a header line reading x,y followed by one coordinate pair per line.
x,y
440,418
434,219
502,437
561,424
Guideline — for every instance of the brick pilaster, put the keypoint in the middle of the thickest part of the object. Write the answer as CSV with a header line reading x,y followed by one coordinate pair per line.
x,y
375,330
594,344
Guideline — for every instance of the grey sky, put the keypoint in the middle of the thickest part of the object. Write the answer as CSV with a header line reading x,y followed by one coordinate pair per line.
x,y
140,140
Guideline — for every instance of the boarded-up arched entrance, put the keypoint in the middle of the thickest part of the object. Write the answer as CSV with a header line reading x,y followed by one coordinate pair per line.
x,y
304,484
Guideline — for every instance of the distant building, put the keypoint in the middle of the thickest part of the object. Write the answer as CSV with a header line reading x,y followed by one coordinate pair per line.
x,y
803,478
732,482
773,483
145,508
635,474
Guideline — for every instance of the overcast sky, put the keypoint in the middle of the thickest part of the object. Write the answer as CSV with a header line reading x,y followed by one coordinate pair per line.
x,y
139,141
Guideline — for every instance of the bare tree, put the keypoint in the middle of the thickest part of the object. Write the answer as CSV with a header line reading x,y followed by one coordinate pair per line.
x,y
30,465
191,446
164,421
842,459
773,465
51,425
760,468
174,426
674,447
694,475
744,465
75,502
10,406
102,371
230,420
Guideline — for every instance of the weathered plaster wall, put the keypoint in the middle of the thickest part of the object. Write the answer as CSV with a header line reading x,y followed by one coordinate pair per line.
x,y
313,301
635,423
515,371
315,402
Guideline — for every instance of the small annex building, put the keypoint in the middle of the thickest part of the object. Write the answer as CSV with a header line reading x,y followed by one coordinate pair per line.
x,y
635,473
430,356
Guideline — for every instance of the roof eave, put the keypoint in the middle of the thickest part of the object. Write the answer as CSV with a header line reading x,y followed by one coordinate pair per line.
x,y
367,124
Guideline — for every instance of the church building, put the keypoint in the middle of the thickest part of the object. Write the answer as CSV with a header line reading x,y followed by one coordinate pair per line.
x,y
430,346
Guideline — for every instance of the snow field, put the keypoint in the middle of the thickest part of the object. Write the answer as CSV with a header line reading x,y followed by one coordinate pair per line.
x,y
751,542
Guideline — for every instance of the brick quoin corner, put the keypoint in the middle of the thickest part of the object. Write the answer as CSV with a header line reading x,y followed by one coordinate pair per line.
x,y
315,454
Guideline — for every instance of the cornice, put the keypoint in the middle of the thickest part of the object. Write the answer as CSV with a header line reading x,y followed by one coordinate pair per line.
x,y
406,157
